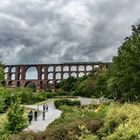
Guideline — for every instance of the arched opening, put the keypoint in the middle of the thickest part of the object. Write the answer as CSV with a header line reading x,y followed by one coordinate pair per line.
x,y
9,83
5,76
13,69
96,66
65,68
81,74
65,75
19,76
57,84
20,69
50,76
31,73
88,68
73,68
31,85
43,69
58,76
42,76
18,83
81,68
57,81
50,69
50,85
3,83
41,85
74,74
13,76
6,69
58,68
87,73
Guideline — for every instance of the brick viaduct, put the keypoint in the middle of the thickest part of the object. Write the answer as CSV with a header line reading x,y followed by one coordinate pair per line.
x,y
46,74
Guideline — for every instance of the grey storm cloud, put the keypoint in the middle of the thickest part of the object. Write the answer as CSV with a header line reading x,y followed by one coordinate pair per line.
x,y
55,31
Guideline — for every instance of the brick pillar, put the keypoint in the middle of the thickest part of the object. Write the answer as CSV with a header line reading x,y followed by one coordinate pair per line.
x,y
39,72
9,73
62,72
17,73
23,72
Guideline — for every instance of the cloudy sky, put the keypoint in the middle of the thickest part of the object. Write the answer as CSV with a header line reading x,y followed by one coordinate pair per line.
x,y
56,31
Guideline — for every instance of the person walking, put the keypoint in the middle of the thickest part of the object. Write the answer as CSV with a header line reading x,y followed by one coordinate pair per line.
x,y
30,116
43,115
35,115
46,107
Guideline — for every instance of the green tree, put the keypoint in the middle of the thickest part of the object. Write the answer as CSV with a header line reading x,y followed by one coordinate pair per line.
x,y
16,120
1,71
123,75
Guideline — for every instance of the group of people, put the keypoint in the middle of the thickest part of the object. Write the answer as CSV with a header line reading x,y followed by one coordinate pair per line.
x,y
34,115
45,108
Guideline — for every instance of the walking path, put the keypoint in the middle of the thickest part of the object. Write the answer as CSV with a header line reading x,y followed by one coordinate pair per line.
x,y
50,115
40,124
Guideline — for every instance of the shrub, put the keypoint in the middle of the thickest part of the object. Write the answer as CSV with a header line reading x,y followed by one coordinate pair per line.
x,y
16,121
6,98
122,121
49,94
25,95
68,102
94,125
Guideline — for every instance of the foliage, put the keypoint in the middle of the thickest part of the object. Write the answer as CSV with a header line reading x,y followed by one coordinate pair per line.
x,y
25,95
122,121
6,98
122,79
68,102
68,84
16,120
72,125
1,71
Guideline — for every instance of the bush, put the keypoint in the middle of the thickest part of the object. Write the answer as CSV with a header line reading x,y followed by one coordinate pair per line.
x,y
94,125
68,102
16,120
25,95
122,121
49,94
6,98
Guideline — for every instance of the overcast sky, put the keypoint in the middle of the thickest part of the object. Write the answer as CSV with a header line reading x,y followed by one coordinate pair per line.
x,y
56,31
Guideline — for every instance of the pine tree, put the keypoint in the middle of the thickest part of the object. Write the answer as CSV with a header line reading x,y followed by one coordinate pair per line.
x,y
16,121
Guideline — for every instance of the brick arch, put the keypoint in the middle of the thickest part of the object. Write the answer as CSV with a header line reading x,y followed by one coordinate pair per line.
x,y
74,74
58,68
50,68
28,82
73,68
50,75
34,72
81,68
58,75
65,75
81,74
66,68
89,68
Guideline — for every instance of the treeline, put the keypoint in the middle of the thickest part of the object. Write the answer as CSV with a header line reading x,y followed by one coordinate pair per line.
x,y
25,95
121,79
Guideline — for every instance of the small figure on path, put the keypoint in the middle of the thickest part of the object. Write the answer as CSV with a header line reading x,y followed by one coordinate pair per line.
x,y
30,116
46,107
43,115
35,115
